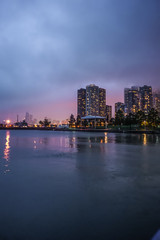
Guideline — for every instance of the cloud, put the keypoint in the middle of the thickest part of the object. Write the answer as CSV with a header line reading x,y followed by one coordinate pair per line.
x,y
51,48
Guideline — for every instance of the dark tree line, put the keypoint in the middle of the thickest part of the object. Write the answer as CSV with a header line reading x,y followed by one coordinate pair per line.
x,y
74,121
45,122
152,119
139,118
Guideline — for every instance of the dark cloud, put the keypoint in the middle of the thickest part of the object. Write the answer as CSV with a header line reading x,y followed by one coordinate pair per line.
x,y
48,49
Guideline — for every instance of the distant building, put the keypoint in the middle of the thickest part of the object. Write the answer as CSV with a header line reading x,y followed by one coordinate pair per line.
x,y
64,122
81,102
146,98
156,101
29,118
119,106
34,121
108,113
56,122
21,124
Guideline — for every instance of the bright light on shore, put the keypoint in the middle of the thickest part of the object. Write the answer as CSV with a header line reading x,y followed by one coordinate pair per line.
x,y
8,121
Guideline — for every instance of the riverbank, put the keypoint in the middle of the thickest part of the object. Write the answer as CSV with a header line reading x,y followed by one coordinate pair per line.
x,y
83,130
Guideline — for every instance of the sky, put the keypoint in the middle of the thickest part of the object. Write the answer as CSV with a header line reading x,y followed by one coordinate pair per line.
x,y
51,48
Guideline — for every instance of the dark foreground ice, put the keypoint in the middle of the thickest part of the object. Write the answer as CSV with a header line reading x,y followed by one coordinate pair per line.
x,y
80,186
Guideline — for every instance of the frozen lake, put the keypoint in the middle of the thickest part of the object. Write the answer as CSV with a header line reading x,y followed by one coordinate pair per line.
x,y
80,186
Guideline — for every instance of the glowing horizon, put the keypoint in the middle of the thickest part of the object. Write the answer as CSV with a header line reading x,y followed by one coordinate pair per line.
x,y
49,49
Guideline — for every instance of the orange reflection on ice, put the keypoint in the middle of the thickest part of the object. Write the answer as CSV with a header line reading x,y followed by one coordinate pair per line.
x,y
144,139
105,137
7,146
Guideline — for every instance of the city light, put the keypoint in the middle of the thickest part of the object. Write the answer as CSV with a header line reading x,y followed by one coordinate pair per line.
x,y
8,121
140,110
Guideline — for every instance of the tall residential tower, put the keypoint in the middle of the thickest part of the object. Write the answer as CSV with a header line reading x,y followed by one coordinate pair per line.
x,y
91,101
156,101
102,102
81,102
132,99
146,98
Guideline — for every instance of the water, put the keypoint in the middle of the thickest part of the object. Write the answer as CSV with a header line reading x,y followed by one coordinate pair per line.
x,y
74,185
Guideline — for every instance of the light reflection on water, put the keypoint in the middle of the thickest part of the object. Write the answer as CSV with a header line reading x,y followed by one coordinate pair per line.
x,y
144,139
7,146
7,152
72,141
78,180
105,138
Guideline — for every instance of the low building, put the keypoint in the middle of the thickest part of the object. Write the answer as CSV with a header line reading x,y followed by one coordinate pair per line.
x,y
93,122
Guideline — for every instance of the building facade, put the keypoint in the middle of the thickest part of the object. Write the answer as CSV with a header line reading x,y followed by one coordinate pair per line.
x,y
132,100
126,100
108,113
29,118
81,102
91,101
102,102
146,99
156,101
138,98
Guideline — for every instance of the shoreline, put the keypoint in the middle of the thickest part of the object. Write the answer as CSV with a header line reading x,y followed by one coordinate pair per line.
x,y
85,130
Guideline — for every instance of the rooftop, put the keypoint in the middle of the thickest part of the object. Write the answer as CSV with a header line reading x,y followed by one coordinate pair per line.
x,y
93,117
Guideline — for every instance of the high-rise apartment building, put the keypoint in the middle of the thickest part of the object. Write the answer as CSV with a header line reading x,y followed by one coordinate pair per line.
x,y
138,98
102,102
108,113
81,102
132,100
91,101
146,98
126,99
156,101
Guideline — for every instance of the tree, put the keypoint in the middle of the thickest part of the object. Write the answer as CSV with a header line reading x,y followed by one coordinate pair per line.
x,y
130,119
119,119
71,120
41,122
78,121
84,122
112,121
153,118
140,117
45,123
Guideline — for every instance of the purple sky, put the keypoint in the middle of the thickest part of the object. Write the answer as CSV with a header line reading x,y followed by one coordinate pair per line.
x,y
51,48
